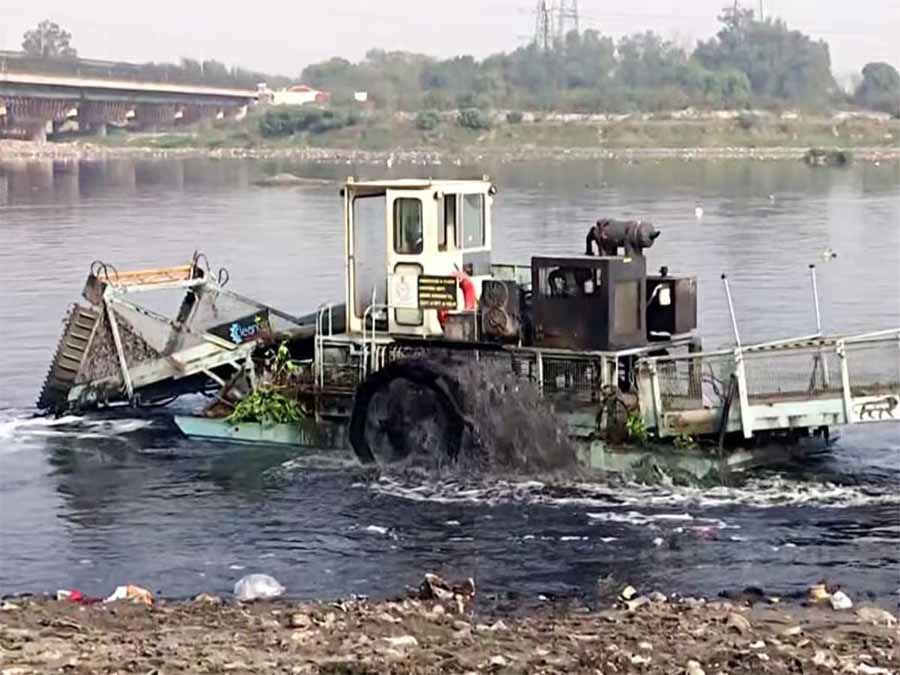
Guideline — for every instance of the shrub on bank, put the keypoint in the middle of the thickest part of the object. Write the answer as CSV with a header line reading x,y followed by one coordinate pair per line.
x,y
474,119
427,120
293,120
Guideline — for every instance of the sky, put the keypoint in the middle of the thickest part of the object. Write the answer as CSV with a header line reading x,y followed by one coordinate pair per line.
x,y
283,37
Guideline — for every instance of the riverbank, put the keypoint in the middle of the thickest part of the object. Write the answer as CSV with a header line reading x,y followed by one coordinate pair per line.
x,y
401,138
16,151
416,636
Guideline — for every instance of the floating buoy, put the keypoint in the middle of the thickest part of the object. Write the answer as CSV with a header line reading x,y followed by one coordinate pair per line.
x,y
828,254
698,212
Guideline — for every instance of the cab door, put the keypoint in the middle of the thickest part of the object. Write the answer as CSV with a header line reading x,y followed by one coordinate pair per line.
x,y
421,241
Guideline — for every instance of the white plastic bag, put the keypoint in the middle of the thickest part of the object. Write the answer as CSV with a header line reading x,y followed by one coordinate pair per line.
x,y
257,587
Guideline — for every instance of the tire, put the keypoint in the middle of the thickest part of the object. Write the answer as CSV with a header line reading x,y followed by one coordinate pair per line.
x,y
406,411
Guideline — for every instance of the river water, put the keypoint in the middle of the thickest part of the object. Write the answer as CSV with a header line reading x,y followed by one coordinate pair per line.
x,y
95,502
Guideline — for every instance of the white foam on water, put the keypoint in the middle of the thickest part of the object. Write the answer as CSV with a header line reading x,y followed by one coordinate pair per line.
x,y
21,423
762,493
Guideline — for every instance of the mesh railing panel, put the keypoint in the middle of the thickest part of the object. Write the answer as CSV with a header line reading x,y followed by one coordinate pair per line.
x,y
574,378
696,382
874,367
792,373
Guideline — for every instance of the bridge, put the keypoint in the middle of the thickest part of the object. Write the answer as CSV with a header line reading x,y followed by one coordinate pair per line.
x,y
40,95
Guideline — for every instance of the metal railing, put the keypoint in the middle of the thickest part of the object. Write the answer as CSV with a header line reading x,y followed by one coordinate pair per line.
x,y
157,73
794,381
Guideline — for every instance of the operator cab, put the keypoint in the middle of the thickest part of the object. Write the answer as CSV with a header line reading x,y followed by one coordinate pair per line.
x,y
406,244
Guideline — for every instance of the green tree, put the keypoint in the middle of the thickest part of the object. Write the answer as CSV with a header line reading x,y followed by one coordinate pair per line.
x,y
880,88
48,41
781,64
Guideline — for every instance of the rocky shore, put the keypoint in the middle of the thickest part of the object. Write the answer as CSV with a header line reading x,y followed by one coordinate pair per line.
x,y
644,635
79,150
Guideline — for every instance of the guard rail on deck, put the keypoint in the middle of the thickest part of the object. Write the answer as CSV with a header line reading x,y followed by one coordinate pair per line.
x,y
791,384
92,69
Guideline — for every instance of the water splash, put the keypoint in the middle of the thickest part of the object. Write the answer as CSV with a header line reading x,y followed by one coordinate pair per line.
x,y
759,493
21,424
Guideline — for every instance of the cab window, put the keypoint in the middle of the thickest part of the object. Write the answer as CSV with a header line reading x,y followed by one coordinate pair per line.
x,y
448,222
473,221
408,226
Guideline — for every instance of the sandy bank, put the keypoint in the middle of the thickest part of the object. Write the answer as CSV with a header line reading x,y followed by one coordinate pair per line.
x,y
413,636
70,151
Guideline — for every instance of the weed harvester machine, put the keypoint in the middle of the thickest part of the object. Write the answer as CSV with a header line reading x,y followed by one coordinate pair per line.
x,y
436,350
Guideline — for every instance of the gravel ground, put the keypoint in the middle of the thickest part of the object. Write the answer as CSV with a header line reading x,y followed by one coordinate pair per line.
x,y
415,636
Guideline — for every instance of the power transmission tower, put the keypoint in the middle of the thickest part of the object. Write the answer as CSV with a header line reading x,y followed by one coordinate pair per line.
x,y
569,19
543,30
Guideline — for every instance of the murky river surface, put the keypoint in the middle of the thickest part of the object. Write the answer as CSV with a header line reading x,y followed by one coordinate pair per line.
x,y
95,502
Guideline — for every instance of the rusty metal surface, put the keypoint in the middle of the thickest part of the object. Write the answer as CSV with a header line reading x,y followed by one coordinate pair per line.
x,y
67,361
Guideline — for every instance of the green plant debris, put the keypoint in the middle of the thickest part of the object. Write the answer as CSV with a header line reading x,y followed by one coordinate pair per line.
x,y
637,429
266,405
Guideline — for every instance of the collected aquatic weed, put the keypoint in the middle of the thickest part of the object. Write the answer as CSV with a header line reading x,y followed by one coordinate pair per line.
x,y
266,406
637,429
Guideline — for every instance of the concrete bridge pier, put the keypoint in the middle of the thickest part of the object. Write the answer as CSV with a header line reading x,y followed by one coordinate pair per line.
x,y
31,116
155,115
96,115
197,112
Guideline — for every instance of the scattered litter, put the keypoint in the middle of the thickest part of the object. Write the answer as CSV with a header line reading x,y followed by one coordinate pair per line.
x,y
628,593
257,587
694,668
636,603
376,529
876,616
387,617
300,620
131,593
207,599
658,542
402,641
9,607
818,593
499,662
866,669
459,596
841,601
739,623
76,596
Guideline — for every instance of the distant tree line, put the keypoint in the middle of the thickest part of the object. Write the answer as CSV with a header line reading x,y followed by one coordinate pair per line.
x,y
748,62
47,48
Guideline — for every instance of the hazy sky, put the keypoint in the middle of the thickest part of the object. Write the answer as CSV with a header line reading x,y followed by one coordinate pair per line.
x,y
284,37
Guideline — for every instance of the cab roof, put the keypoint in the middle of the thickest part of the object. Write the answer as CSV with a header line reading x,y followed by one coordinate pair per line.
x,y
412,184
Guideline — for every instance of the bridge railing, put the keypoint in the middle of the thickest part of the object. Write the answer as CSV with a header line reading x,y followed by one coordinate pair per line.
x,y
166,73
